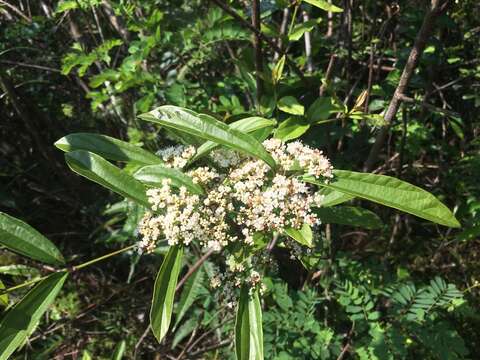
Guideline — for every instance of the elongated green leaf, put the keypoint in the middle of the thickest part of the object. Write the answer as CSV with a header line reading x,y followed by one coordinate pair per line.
x,y
303,235
290,105
190,292
349,215
207,127
277,71
324,5
164,292
19,270
248,327
119,350
154,175
20,237
391,192
20,321
99,170
302,28
333,197
4,297
247,125
107,147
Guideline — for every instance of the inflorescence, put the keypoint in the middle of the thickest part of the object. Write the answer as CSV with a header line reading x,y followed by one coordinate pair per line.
x,y
243,198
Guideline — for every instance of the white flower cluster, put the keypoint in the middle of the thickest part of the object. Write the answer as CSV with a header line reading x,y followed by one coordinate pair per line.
x,y
176,156
241,201
297,155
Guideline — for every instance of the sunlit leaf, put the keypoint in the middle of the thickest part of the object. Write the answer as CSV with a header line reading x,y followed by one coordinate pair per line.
x,y
107,147
290,105
164,292
208,128
292,128
99,170
391,192
153,175
304,235
20,321
332,197
277,71
248,327
20,237
246,125
324,5
119,350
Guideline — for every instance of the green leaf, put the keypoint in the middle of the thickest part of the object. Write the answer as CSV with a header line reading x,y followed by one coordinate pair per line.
x,y
20,321
292,128
164,292
107,147
248,327
190,293
303,235
20,237
19,270
324,5
302,28
154,175
4,297
207,127
99,170
277,71
247,125
321,109
333,197
290,105
349,215
119,350
391,192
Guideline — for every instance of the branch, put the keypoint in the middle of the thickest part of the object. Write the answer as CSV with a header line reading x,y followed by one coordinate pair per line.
x,y
257,46
194,268
261,36
437,6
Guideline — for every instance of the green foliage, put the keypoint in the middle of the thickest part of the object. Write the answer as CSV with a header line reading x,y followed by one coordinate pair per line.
x,y
22,238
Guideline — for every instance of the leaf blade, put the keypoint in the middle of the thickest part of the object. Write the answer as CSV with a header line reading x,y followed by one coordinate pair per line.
x,y
20,237
154,174
349,215
324,5
391,192
303,236
247,125
248,327
107,147
21,320
207,127
99,170
164,292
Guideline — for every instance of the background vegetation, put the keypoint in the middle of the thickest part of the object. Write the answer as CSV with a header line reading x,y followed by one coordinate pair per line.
x,y
407,289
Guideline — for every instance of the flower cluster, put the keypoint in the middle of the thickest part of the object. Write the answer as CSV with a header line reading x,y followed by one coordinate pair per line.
x,y
243,199
176,156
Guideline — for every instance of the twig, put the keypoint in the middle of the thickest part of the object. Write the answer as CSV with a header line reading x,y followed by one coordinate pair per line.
x,y
140,341
264,38
257,46
283,29
194,268
33,66
435,10
16,10
211,347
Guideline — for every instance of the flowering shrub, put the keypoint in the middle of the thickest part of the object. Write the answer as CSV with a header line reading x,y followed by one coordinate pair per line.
x,y
238,195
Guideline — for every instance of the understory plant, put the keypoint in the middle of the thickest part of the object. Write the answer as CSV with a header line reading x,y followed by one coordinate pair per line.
x,y
232,192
